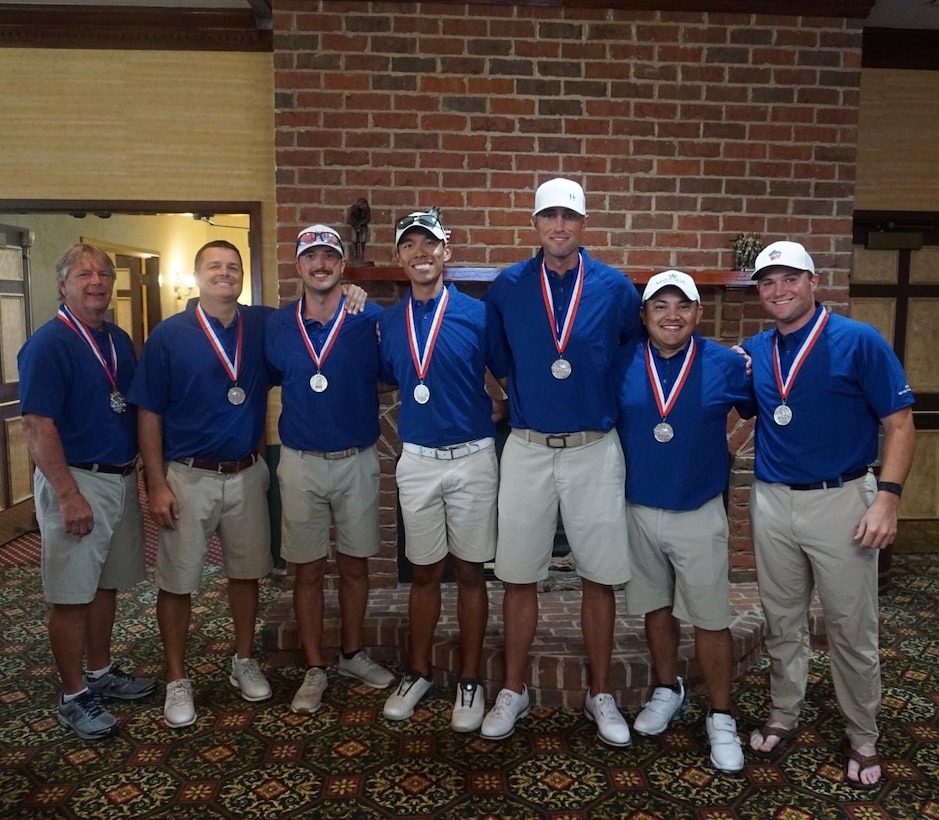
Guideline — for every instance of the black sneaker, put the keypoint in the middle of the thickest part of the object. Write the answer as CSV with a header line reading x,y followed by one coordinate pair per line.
x,y
116,683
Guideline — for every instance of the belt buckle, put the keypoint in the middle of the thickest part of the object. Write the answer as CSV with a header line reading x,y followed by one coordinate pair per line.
x,y
548,439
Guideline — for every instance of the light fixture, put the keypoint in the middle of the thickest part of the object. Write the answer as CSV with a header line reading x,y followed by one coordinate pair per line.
x,y
183,285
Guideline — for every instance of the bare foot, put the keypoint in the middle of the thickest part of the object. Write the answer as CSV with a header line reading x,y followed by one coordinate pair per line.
x,y
864,771
765,740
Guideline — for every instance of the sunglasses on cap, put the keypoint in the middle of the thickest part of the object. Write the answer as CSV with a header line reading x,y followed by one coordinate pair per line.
x,y
319,238
422,220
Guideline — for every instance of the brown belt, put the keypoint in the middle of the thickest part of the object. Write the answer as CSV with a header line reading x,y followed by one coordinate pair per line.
x,y
559,440
220,467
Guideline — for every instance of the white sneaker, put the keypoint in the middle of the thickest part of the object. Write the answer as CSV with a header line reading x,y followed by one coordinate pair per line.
x,y
665,705
247,676
309,696
726,751
612,728
178,708
508,708
469,706
400,704
363,668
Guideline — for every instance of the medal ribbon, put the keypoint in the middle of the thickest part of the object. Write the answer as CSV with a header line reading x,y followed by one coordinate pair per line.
x,y
785,386
422,362
563,337
665,404
78,326
231,367
338,319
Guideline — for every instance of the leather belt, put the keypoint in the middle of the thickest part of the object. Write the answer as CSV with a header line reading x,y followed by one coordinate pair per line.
x,y
220,467
451,452
112,469
559,440
831,483
335,454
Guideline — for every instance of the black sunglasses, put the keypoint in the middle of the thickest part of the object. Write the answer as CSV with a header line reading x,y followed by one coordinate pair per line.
x,y
424,220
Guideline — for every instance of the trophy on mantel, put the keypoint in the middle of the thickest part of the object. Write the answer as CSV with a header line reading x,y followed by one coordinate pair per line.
x,y
747,247
358,217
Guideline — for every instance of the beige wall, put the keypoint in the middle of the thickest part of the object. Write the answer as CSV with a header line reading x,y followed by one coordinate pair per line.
x,y
898,141
140,126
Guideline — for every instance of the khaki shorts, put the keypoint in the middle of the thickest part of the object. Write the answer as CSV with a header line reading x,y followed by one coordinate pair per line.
x,y
587,484
449,506
234,506
111,556
316,492
680,561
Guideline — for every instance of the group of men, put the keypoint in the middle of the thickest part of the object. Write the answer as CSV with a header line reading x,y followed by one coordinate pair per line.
x,y
605,390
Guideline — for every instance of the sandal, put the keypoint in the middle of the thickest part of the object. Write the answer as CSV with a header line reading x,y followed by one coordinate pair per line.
x,y
863,762
785,738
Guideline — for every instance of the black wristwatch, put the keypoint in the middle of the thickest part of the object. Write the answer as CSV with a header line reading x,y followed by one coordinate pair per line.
x,y
890,487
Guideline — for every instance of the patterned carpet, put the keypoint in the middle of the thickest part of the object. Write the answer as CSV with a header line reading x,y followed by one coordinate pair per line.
x,y
245,760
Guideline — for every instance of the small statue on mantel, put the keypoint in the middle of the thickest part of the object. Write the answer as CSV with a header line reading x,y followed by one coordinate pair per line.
x,y
358,217
747,247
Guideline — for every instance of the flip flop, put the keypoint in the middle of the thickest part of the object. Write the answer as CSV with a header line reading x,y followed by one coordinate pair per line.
x,y
863,762
785,738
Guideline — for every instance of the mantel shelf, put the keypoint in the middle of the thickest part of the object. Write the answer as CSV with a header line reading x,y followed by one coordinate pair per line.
x,y
393,273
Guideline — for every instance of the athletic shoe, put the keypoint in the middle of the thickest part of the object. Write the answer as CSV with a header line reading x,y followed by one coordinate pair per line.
x,y
86,717
400,704
363,668
178,708
612,728
309,696
116,683
469,706
246,675
508,708
726,751
665,705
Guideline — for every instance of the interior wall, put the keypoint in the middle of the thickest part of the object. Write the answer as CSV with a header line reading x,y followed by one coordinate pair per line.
x,y
141,126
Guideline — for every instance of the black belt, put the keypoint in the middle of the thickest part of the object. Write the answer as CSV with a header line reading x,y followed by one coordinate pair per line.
x,y
831,483
112,469
221,467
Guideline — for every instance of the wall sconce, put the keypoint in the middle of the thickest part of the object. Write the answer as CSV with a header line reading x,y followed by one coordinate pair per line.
x,y
183,285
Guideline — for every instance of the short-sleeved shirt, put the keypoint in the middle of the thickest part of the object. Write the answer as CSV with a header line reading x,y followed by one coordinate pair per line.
x,y
691,468
469,341
181,379
848,382
61,379
345,414
607,316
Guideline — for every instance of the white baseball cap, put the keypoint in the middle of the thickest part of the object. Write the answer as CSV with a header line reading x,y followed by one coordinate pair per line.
x,y
560,193
319,236
672,279
427,220
783,254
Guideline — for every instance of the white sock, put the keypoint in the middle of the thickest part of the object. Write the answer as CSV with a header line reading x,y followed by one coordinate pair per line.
x,y
70,698
98,672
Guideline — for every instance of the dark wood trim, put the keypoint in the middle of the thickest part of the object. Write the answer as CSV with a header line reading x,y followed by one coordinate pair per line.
x,y
135,29
858,9
910,49
392,273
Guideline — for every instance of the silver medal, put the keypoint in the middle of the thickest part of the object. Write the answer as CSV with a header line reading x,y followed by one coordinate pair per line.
x,y
782,415
663,432
561,369
422,394
118,402
318,383
236,395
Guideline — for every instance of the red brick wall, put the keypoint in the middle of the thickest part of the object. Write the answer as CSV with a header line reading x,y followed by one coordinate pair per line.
x,y
685,129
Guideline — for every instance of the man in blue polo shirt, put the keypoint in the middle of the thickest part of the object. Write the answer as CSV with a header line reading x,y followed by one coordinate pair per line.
x,y
564,315
201,389
327,365
824,385
82,435
436,345
675,392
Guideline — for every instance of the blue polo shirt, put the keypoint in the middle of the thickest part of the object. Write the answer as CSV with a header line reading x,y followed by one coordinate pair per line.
x,y
607,317
61,379
470,340
346,413
181,379
848,382
692,468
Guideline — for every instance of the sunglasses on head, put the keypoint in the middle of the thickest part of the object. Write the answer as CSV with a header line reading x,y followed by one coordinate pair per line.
x,y
319,237
424,220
